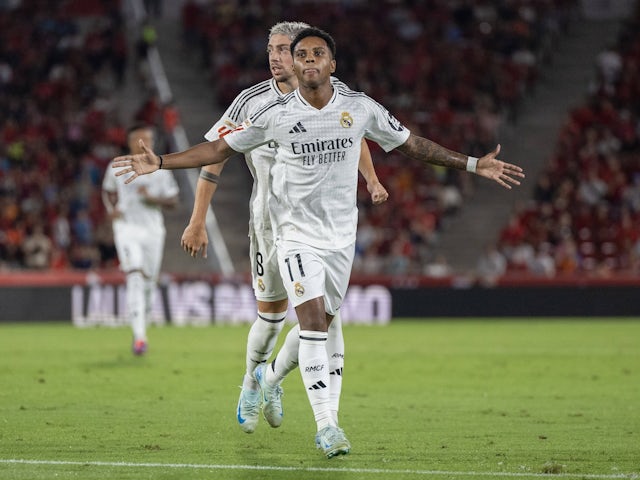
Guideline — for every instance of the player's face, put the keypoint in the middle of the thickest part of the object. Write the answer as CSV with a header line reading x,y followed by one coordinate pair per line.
x,y
280,60
144,134
312,61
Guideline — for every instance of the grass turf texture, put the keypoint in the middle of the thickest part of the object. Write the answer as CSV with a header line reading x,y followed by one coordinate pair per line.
x,y
431,399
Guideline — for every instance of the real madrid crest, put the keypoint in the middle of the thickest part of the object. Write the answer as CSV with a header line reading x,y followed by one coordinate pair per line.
x,y
299,289
346,120
261,286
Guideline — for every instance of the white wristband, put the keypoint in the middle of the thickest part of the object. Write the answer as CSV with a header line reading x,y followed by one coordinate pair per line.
x,y
472,162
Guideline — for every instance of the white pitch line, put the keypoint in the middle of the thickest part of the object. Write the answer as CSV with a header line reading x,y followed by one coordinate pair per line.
x,y
630,476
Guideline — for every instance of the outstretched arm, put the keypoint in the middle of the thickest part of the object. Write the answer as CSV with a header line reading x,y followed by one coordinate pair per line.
x,y
194,238
378,193
488,166
205,153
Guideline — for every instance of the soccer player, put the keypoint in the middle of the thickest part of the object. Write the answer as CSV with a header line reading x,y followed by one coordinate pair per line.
x,y
139,232
269,290
313,195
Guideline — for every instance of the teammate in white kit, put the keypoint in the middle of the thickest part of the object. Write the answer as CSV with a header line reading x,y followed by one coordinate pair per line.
x,y
139,233
269,290
313,195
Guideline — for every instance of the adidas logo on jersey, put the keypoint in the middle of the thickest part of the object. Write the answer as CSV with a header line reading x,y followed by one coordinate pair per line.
x,y
298,128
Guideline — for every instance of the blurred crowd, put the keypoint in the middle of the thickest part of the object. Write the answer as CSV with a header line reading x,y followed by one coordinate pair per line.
x,y
584,216
454,71
58,71
62,64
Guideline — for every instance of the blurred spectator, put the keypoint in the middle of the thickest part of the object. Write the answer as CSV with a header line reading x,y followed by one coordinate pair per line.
x,y
61,228
491,266
438,268
608,69
82,228
542,263
37,249
592,189
567,258
398,259
84,257
147,39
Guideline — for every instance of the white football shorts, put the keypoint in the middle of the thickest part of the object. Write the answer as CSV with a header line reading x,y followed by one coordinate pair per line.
x,y
265,274
310,273
139,249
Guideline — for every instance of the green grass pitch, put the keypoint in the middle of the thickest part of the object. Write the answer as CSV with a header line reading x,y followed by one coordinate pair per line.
x,y
443,398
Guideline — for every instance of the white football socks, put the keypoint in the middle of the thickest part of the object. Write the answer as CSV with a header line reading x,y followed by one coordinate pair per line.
x,y
136,305
287,358
314,369
335,352
260,343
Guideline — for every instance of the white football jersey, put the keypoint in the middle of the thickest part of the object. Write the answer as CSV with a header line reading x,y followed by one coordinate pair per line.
x,y
260,159
160,183
315,173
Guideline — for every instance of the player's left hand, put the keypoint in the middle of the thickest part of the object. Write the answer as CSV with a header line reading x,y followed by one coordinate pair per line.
x,y
497,170
195,240
140,164
378,193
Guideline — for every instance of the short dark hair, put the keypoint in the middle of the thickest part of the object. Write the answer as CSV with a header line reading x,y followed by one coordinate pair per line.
x,y
315,32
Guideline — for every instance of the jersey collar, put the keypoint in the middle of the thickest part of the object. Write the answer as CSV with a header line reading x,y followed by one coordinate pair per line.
x,y
307,104
274,87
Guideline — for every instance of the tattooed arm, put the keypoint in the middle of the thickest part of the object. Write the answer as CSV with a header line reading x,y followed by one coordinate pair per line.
x,y
489,166
429,152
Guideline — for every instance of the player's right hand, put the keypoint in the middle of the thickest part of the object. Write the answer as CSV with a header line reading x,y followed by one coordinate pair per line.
x,y
195,240
140,164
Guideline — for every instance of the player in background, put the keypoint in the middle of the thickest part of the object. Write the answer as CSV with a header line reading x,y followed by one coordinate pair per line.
x,y
269,290
139,232
313,196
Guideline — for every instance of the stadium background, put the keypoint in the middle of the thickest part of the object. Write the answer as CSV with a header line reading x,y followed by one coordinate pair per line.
x,y
555,82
